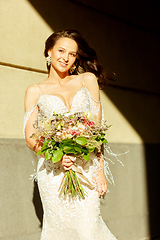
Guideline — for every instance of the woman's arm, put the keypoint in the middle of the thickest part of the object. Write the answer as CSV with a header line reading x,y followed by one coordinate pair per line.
x,y
100,178
30,99
91,83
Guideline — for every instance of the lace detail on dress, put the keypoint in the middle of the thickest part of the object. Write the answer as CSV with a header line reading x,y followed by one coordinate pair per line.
x,y
95,106
74,219
27,116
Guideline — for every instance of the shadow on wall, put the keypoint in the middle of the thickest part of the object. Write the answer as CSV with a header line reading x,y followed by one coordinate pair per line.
x,y
133,53
141,110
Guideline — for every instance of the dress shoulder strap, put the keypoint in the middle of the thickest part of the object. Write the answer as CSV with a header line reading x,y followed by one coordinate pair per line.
x,y
38,89
83,79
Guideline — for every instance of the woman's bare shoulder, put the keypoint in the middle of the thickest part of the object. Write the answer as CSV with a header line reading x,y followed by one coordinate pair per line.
x,y
36,88
31,96
31,89
89,77
91,83
90,80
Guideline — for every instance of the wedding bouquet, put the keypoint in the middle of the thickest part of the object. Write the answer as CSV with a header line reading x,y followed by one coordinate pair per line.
x,y
76,134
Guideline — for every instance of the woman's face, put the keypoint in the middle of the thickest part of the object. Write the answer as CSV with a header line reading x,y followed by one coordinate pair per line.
x,y
63,54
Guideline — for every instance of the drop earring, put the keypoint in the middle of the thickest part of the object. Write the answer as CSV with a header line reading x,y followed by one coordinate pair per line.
x,y
72,69
48,59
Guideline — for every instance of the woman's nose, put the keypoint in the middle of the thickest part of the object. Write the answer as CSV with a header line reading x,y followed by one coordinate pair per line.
x,y
66,58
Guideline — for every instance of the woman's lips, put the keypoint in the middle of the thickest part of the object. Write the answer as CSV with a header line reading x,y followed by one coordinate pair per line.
x,y
63,64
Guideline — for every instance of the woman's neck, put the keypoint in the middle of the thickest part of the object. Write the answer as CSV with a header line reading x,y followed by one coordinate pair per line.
x,y
59,77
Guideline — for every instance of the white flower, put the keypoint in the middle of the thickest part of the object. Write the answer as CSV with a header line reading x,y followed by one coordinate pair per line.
x,y
81,127
58,133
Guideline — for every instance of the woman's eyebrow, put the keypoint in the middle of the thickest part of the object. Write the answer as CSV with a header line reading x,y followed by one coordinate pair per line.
x,y
73,51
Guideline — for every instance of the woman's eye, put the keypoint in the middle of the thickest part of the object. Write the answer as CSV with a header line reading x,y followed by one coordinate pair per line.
x,y
60,50
73,54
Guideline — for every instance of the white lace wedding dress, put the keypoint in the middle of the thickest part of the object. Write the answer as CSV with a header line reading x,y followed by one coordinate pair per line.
x,y
64,219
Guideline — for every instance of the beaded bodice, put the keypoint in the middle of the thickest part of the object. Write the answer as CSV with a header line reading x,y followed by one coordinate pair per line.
x,y
47,104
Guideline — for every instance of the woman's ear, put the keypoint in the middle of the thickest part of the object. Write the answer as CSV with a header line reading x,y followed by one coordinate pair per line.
x,y
49,53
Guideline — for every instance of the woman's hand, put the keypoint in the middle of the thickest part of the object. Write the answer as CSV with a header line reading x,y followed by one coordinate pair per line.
x,y
67,162
101,182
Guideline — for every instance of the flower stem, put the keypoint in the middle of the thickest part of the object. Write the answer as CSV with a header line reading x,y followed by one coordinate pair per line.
x,y
70,171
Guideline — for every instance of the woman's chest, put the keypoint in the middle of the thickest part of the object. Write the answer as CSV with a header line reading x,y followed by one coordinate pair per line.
x,y
48,104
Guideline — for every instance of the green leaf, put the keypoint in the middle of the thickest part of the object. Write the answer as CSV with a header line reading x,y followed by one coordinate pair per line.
x,y
86,157
48,154
99,143
65,141
104,141
91,149
45,145
53,142
102,135
78,149
39,152
81,140
57,155
84,150
67,148
72,151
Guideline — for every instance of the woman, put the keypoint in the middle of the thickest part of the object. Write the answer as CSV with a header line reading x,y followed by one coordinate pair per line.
x,y
71,86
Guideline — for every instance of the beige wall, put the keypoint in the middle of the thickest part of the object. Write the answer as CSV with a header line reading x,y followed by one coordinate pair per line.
x,y
131,108
24,33
22,44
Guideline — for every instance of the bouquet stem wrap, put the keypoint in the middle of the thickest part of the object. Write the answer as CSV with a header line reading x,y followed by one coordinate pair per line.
x,y
70,184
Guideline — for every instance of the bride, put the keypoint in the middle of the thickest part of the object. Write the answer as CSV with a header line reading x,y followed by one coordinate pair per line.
x,y
71,86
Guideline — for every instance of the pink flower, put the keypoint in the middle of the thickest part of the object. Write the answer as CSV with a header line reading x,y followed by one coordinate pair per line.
x,y
41,139
77,132
74,132
89,124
